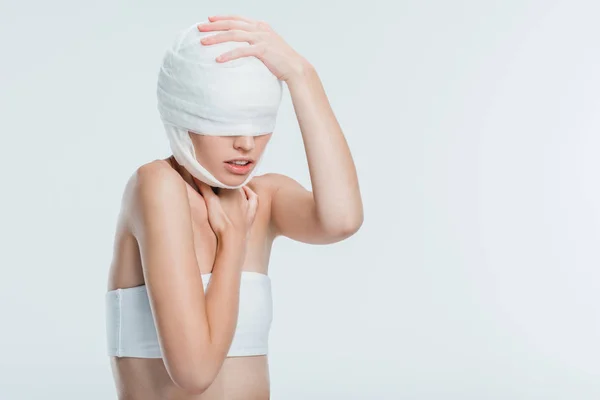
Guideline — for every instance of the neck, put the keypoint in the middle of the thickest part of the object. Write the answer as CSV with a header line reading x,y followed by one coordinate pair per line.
x,y
189,178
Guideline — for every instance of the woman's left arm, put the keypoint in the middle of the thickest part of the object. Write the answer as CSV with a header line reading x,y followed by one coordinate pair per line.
x,y
333,210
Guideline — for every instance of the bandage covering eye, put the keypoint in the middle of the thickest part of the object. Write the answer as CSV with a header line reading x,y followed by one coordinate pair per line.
x,y
198,95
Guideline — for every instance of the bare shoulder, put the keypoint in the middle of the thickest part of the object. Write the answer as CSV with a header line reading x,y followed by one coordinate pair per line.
x,y
149,176
154,184
271,182
155,174
279,188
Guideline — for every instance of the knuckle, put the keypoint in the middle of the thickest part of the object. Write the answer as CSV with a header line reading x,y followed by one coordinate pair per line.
x,y
263,25
260,49
254,37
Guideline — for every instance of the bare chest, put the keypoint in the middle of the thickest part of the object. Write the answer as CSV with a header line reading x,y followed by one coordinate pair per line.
x,y
126,266
205,241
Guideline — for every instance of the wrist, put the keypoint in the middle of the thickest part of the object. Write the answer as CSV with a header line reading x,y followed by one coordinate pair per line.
x,y
233,250
231,238
303,72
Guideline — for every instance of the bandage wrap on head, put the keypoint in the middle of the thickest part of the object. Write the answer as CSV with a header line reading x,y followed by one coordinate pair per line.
x,y
198,94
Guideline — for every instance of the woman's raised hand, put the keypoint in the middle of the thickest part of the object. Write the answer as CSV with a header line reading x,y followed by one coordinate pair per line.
x,y
265,44
232,211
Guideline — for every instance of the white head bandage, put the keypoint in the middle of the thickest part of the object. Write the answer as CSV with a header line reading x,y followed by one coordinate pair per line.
x,y
196,93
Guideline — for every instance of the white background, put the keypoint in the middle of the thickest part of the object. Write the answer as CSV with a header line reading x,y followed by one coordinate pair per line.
x,y
474,127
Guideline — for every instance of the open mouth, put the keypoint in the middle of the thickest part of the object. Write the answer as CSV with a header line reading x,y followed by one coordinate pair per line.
x,y
242,163
239,167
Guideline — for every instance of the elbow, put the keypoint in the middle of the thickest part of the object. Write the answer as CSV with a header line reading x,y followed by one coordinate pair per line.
x,y
189,375
192,383
348,228
353,223
353,227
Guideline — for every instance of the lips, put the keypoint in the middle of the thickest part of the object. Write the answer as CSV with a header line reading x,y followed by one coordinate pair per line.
x,y
240,159
239,169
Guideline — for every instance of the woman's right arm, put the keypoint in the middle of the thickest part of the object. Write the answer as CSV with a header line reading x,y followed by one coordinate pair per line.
x,y
194,331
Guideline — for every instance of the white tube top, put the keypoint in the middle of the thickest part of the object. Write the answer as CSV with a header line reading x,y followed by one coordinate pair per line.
x,y
130,329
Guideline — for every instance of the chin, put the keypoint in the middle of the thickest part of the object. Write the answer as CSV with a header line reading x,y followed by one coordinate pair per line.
x,y
233,180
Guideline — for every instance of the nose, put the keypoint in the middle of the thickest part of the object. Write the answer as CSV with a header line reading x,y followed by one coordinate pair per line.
x,y
244,143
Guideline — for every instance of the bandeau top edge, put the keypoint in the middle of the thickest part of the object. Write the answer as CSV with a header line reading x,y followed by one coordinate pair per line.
x,y
246,275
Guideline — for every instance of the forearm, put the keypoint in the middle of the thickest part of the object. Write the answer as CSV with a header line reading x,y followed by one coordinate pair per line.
x,y
222,295
332,172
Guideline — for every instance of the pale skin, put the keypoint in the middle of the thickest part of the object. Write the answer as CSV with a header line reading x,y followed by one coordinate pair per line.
x,y
172,228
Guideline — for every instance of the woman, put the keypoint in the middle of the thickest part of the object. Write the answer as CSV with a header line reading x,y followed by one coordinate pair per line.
x,y
174,333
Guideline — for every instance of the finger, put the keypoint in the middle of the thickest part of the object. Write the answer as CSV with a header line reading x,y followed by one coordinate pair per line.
x,y
252,205
245,188
233,17
244,193
252,197
252,50
226,25
249,192
231,36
